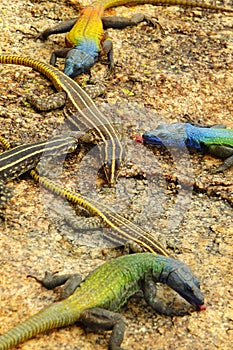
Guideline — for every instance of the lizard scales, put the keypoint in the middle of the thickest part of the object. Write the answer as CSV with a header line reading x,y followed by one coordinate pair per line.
x,y
214,140
87,115
86,36
109,287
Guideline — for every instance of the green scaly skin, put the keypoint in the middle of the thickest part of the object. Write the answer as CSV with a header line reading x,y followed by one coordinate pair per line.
x,y
104,291
86,36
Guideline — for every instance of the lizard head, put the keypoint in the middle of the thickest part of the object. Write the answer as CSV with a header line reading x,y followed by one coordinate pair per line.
x,y
179,277
168,135
78,62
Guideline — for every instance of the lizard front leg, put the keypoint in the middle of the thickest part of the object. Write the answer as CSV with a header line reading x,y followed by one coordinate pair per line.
x,y
149,291
225,165
54,101
58,99
222,151
62,27
107,48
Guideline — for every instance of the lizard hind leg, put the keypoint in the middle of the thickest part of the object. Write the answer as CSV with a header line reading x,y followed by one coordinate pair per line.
x,y
97,318
70,282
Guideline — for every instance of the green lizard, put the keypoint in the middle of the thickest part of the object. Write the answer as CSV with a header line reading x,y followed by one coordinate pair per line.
x,y
86,38
104,291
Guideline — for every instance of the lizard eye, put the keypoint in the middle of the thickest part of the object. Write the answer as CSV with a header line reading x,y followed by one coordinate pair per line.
x,y
161,126
197,283
162,135
188,287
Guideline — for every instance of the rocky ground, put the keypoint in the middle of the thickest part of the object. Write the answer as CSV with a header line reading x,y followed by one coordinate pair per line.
x,y
178,70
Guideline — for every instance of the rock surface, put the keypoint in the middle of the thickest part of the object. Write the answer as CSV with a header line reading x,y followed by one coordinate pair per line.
x,y
178,70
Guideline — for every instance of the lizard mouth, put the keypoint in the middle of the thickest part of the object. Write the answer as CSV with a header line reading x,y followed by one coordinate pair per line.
x,y
197,302
139,139
201,307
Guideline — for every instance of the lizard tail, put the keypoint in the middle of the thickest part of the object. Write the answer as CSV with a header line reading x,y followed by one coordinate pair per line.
x,y
56,315
186,3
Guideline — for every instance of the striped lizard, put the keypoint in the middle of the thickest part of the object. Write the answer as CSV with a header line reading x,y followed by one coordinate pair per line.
x,y
123,230
21,159
86,116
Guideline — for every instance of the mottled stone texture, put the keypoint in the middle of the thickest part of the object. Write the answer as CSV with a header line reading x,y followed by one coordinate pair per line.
x,y
179,70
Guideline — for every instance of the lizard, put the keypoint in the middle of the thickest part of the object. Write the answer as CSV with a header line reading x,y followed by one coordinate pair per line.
x,y
21,159
86,39
123,229
93,302
124,232
85,115
214,140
